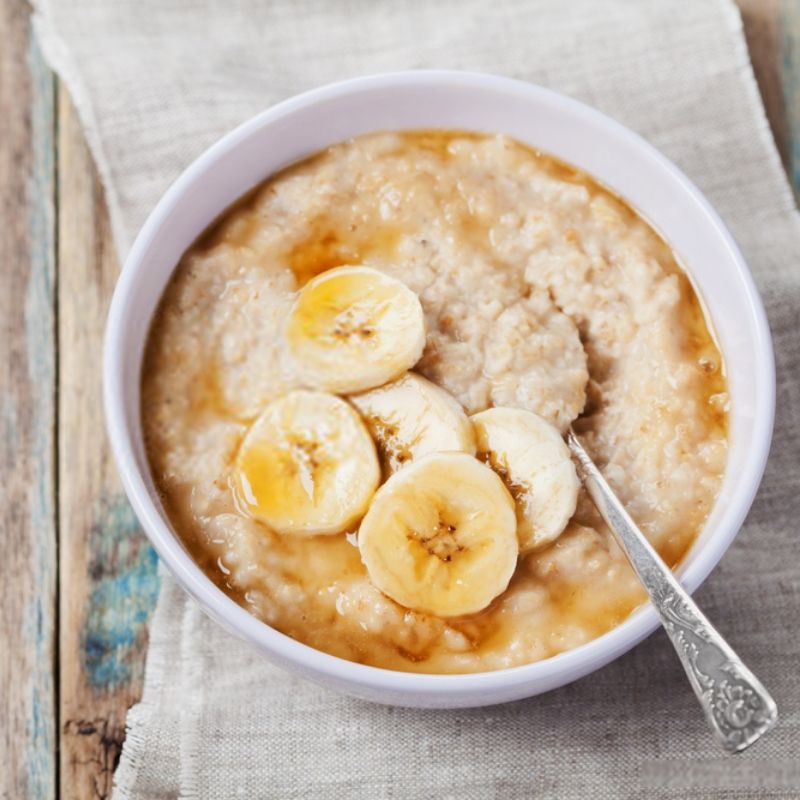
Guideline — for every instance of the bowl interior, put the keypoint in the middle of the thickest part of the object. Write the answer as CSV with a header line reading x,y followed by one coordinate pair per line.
x,y
550,122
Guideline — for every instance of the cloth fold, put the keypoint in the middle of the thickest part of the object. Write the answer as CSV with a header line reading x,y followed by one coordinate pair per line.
x,y
155,82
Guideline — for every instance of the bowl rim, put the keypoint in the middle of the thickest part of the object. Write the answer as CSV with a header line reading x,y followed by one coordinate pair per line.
x,y
541,675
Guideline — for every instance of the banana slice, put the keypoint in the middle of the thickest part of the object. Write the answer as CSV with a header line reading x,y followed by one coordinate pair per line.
x,y
307,465
354,328
412,417
440,536
533,460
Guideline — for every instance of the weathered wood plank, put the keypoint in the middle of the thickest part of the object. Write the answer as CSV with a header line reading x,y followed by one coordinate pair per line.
x,y
27,414
789,60
108,581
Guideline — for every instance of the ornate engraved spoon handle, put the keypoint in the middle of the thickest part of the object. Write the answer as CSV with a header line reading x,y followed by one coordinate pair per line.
x,y
737,706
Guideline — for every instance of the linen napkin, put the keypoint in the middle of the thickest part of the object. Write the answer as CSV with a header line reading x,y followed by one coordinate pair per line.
x,y
155,82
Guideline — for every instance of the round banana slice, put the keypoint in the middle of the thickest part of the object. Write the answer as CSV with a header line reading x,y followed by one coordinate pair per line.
x,y
354,328
412,417
533,460
440,536
307,465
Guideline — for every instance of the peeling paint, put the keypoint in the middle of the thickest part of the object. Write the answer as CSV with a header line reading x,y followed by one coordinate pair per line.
x,y
124,583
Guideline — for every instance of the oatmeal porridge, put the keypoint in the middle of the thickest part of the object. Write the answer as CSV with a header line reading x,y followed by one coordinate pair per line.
x,y
407,323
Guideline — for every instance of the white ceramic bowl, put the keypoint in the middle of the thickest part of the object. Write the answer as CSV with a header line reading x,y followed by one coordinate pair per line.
x,y
551,122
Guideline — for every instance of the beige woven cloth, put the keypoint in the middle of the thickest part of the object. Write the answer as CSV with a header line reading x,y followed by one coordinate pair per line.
x,y
155,82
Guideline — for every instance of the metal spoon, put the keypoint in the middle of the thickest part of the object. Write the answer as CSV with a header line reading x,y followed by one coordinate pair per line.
x,y
737,706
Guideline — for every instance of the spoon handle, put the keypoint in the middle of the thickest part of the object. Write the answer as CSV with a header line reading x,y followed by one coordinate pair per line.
x,y
737,706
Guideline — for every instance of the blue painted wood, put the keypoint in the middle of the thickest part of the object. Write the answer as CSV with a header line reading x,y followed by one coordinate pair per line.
x,y
28,732
122,594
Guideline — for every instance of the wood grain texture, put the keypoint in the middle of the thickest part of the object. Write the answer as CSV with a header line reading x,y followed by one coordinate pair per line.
x,y
108,581
27,415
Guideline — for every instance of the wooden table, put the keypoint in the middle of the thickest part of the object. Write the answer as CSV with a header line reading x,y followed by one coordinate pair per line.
x,y
77,579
